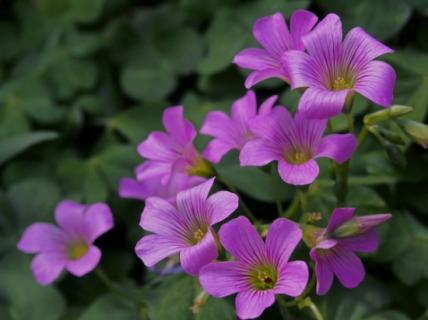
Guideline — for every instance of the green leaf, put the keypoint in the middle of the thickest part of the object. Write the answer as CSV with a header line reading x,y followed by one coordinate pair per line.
x,y
255,182
215,309
86,11
388,315
172,299
382,19
12,146
26,299
111,306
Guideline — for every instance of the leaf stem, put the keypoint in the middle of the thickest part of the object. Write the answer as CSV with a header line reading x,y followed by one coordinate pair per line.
x,y
362,135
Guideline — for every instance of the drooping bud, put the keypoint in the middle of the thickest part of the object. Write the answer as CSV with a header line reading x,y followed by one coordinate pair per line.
x,y
416,131
359,225
382,115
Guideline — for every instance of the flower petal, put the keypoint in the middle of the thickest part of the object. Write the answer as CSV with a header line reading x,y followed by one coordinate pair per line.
x,y
293,279
216,149
69,216
282,238
221,205
132,189
97,220
195,257
258,152
241,239
317,103
360,48
347,266
301,22
219,125
338,217
338,147
272,33
258,76
46,267
250,304
365,242
85,264
152,169
323,272
376,82
324,42
267,105
298,174
301,69
221,279
243,110
161,217
180,129
40,237
193,202
255,59
153,248
274,126
158,146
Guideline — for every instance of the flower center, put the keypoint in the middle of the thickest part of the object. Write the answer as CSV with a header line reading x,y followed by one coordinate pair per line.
x,y
200,167
76,250
263,277
198,235
298,157
341,83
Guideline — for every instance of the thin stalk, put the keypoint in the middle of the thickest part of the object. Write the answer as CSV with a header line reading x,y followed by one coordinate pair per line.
x,y
293,208
242,204
314,309
350,121
362,135
303,195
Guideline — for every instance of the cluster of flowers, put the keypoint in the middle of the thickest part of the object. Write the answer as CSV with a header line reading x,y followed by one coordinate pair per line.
x,y
175,179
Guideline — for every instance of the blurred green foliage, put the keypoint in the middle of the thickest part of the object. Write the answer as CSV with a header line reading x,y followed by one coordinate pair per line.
x,y
83,81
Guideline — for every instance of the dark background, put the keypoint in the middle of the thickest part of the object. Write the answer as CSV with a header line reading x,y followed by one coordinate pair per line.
x,y
83,81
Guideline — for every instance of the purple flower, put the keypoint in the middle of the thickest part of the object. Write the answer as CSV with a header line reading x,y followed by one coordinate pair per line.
x,y
233,132
261,269
333,70
272,33
171,151
70,245
334,251
152,187
295,144
186,228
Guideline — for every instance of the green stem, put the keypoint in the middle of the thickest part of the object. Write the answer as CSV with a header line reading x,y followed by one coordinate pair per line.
x,y
341,186
314,309
293,208
242,204
303,195
350,121
362,135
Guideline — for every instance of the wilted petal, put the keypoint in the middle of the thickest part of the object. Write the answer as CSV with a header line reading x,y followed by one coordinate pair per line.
x,y
338,147
298,174
250,304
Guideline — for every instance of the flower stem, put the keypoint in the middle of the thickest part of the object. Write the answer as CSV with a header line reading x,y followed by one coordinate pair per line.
x,y
293,208
104,278
314,309
303,195
350,121
362,135
242,204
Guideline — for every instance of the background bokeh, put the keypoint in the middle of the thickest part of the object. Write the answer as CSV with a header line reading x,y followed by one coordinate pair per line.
x,y
83,81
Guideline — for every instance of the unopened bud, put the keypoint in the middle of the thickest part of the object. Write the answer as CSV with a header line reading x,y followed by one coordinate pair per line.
x,y
359,225
382,115
416,131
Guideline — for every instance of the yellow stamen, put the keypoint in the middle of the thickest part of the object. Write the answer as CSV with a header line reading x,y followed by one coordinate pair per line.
x,y
341,83
77,250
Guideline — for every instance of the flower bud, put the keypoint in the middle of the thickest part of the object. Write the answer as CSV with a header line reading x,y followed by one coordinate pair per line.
x,y
359,225
416,131
382,115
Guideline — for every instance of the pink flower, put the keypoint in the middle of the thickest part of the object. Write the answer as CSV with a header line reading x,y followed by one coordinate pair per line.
x,y
70,245
186,228
171,151
233,132
335,247
261,269
332,70
295,144
272,33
